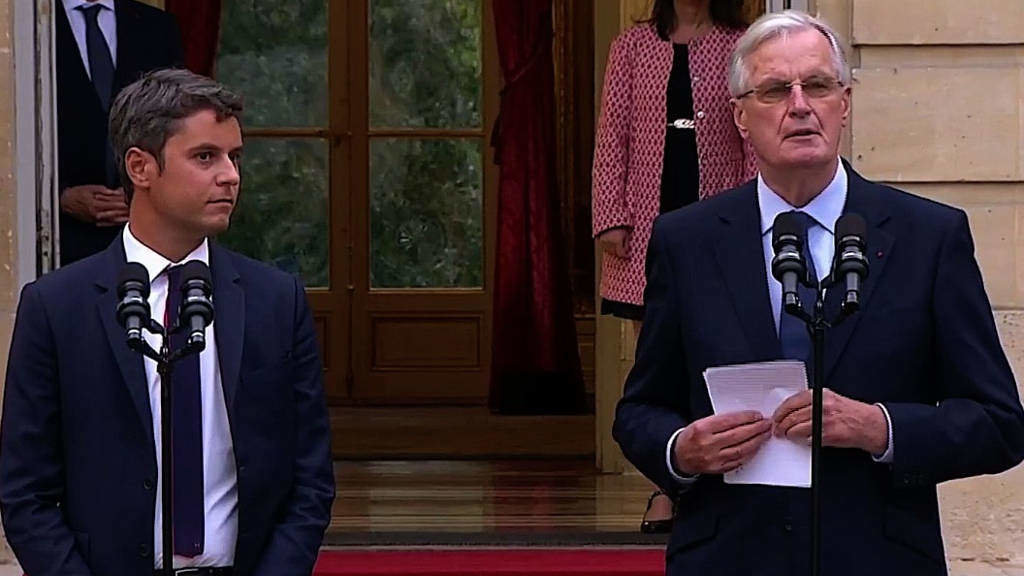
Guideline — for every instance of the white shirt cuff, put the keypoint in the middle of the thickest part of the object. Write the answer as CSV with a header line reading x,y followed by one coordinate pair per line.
x,y
684,480
885,457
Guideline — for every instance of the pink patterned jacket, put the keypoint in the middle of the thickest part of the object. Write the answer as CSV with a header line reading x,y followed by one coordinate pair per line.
x,y
630,146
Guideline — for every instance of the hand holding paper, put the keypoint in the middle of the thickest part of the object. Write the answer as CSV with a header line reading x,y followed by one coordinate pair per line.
x,y
847,422
762,387
721,443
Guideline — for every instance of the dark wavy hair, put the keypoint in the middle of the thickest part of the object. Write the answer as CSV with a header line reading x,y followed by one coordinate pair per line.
x,y
150,110
725,13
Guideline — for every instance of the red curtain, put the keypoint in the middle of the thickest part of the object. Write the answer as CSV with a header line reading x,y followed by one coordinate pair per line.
x,y
200,31
536,365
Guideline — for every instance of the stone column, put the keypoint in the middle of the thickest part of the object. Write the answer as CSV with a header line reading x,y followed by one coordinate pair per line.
x,y
8,202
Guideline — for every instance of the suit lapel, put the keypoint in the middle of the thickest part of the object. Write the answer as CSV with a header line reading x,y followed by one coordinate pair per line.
x,y
229,320
74,78
860,199
129,27
130,362
740,255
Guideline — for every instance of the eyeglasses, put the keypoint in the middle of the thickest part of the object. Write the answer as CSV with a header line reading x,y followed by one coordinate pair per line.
x,y
815,87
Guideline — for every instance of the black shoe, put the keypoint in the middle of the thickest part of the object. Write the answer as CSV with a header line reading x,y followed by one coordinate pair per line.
x,y
662,526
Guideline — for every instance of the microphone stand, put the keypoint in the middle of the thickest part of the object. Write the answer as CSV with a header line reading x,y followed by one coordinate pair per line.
x,y
165,360
817,325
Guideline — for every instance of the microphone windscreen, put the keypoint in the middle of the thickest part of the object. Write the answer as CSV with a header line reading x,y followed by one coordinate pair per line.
x,y
786,224
196,270
133,272
851,225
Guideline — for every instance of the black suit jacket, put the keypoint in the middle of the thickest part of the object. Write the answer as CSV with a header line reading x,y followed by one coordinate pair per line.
x,y
77,457
147,39
924,345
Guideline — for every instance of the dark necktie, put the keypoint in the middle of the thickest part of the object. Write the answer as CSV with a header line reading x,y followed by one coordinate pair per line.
x,y
796,342
101,65
187,475
101,69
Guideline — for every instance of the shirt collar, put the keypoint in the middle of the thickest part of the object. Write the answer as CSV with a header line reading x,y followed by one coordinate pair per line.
x,y
136,251
825,208
70,5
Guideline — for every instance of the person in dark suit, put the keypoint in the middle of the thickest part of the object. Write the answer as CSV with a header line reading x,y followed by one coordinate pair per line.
x,y
80,473
102,46
919,389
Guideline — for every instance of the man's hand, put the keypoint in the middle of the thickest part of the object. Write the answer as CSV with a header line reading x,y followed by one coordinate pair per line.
x,y
720,443
846,423
95,204
614,242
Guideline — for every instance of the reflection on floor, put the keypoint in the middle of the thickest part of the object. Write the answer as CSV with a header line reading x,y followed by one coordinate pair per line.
x,y
512,502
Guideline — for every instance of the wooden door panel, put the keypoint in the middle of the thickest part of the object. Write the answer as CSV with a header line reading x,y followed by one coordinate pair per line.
x,y
424,342
333,329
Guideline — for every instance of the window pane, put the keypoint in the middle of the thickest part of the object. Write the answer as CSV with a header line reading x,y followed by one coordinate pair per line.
x,y
275,53
281,217
425,62
426,213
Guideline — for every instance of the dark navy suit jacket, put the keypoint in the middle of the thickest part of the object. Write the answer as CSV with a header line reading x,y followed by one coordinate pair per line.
x,y
147,38
77,459
924,345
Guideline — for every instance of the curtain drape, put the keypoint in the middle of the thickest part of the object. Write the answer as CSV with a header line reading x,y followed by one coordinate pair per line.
x,y
200,31
535,360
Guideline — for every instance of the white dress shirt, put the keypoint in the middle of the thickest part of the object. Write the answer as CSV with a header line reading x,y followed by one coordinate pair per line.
x,y
108,26
825,209
220,479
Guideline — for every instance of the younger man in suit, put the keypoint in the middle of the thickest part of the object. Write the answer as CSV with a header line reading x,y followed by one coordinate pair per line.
x,y
80,473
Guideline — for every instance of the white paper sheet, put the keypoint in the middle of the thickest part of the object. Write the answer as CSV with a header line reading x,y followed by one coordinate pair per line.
x,y
762,386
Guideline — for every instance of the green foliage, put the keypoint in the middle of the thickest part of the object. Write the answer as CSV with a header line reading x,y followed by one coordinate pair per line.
x,y
425,63
426,208
281,218
425,213
275,53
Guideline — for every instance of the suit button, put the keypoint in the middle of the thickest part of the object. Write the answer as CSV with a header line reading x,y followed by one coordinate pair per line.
x,y
143,550
147,484
788,527
241,469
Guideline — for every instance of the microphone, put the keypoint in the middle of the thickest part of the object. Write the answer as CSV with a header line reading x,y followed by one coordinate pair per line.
x,y
850,264
133,301
196,310
788,266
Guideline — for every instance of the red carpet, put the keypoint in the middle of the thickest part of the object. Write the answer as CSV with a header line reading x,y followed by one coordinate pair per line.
x,y
517,562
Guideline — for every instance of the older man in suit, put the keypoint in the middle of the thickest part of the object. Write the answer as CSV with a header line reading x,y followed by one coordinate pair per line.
x,y
919,390
80,438
102,46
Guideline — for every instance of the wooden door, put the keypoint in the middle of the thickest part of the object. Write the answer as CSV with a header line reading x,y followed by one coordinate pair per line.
x,y
423,100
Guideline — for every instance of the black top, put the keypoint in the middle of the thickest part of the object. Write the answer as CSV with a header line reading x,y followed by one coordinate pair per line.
x,y
680,179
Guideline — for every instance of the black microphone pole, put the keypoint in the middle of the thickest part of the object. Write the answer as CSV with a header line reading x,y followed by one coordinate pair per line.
x,y
133,313
196,313
849,267
817,328
164,368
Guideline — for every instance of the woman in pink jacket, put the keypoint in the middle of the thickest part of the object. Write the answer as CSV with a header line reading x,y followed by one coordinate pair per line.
x,y
665,138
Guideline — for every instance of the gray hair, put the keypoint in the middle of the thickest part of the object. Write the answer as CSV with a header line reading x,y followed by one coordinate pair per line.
x,y
780,25
148,112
